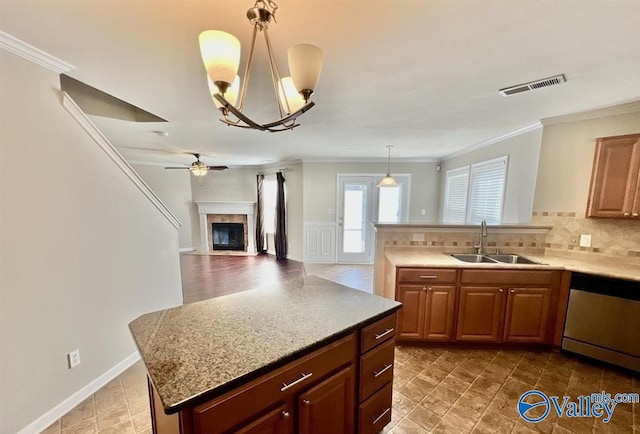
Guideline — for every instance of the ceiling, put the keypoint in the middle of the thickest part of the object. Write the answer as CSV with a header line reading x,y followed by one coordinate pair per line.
x,y
422,75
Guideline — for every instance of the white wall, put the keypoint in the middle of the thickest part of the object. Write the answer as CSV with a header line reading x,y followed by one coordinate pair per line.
x,y
82,250
173,187
566,159
320,188
523,151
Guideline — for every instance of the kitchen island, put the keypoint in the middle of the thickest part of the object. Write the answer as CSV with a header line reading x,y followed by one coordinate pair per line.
x,y
280,357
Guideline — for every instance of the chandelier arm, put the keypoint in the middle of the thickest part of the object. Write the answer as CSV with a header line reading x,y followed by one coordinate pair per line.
x,y
237,113
275,77
247,68
291,117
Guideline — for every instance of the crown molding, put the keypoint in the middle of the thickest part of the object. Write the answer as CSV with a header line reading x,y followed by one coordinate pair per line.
x,y
394,160
33,54
599,112
494,140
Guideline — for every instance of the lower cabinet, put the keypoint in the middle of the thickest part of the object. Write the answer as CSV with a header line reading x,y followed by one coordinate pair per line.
x,y
319,393
486,306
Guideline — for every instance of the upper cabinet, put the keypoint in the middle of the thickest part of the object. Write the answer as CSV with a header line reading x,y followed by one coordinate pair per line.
x,y
615,181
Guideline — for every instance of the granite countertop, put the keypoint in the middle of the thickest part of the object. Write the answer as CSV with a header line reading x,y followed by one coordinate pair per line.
x,y
609,266
207,347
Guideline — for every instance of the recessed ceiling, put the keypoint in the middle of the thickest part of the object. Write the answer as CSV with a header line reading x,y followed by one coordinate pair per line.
x,y
422,75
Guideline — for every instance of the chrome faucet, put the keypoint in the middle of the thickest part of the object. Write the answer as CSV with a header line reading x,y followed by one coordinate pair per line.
x,y
483,234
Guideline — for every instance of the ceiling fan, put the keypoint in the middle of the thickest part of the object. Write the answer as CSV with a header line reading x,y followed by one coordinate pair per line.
x,y
198,168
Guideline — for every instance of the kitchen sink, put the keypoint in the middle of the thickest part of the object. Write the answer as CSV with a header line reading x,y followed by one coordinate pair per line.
x,y
512,259
472,257
493,259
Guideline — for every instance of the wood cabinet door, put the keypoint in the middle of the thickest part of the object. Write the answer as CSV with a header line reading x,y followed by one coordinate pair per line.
x,y
329,407
527,314
480,314
411,315
439,309
277,421
614,179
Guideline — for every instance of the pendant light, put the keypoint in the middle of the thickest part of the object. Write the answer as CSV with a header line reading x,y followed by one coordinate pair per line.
x,y
388,180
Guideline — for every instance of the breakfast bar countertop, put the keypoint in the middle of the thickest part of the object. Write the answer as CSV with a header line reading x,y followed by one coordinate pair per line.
x,y
620,267
211,346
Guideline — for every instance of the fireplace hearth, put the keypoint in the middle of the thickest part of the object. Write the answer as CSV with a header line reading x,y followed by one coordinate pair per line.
x,y
228,236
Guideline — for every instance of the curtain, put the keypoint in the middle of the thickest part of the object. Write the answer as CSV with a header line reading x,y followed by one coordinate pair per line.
x,y
281,219
260,245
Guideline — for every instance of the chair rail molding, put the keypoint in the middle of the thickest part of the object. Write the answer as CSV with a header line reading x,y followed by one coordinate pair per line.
x,y
76,113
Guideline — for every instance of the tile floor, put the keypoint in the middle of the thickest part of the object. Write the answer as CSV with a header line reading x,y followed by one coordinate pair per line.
x,y
436,389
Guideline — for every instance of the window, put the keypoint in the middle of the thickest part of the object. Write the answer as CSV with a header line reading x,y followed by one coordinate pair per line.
x,y
270,187
475,193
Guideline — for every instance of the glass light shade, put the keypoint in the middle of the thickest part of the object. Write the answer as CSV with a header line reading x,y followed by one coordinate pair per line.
x,y
388,181
230,95
286,87
305,65
199,170
220,55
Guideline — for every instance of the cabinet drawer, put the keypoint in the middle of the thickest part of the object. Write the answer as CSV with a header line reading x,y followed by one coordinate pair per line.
x,y
375,412
250,400
507,277
426,275
376,369
377,333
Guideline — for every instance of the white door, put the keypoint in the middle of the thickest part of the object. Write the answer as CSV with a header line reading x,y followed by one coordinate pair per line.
x,y
354,218
360,203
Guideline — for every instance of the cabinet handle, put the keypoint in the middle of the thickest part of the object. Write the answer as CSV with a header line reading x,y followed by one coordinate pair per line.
x,y
430,289
501,290
384,333
626,214
383,414
306,402
285,414
286,386
429,276
388,366
513,290
424,288
635,214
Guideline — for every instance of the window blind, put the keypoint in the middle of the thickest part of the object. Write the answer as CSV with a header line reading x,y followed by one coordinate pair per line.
x,y
486,191
455,207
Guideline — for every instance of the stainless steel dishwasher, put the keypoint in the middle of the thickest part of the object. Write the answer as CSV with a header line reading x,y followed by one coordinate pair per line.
x,y
603,320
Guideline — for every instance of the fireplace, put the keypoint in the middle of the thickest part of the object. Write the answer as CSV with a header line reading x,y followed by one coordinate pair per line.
x,y
228,236
213,213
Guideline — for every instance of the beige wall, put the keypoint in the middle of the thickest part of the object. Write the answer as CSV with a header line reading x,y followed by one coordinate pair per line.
x,y
564,176
320,187
82,251
294,180
173,187
523,151
566,160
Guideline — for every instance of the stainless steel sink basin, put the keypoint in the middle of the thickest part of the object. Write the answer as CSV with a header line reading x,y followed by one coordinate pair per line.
x,y
472,257
493,259
512,259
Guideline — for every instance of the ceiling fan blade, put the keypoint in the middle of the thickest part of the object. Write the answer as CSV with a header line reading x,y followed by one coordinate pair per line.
x,y
181,168
217,167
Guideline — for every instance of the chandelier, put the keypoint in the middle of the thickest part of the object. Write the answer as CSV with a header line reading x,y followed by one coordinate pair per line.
x,y
221,56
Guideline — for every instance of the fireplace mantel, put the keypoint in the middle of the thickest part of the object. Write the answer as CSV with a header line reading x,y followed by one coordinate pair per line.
x,y
236,207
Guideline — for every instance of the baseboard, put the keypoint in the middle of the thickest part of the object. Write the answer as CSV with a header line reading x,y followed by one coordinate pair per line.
x,y
44,421
186,249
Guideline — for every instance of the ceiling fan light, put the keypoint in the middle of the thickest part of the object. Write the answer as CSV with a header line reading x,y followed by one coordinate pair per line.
x,y
287,89
199,170
305,65
388,181
221,56
230,95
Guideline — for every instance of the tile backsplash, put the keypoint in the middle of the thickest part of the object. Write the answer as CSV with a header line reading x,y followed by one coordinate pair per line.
x,y
608,236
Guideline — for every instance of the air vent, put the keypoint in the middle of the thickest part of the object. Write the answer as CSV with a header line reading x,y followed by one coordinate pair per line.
x,y
525,87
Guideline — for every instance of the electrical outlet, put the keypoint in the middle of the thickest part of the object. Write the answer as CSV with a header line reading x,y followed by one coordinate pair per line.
x,y
73,358
585,240
423,211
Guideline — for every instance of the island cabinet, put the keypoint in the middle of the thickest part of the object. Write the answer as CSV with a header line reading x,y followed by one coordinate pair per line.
x,y
615,180
342,387
511,306
428,301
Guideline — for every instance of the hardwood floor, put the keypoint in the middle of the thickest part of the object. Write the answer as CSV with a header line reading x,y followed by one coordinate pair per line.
x,y
205,277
